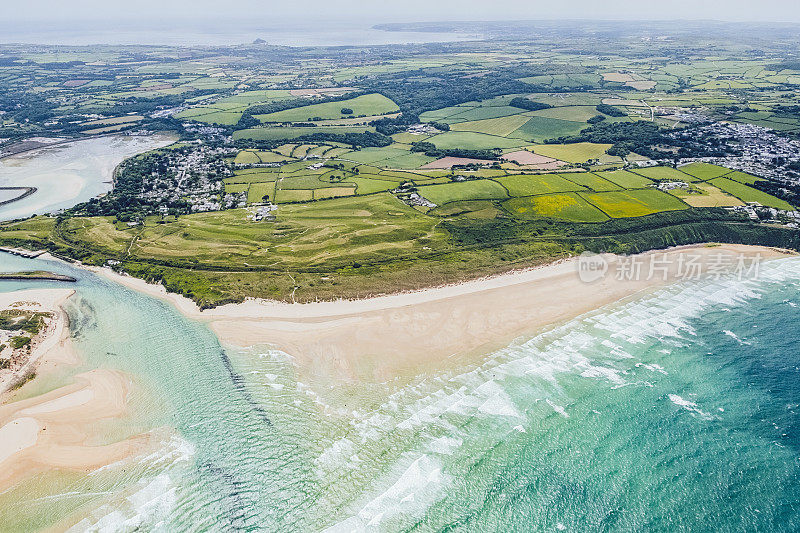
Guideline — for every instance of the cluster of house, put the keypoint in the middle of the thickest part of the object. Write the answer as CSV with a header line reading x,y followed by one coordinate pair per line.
x,y
195,176
263,213
422,129
760,150
770,215
408,194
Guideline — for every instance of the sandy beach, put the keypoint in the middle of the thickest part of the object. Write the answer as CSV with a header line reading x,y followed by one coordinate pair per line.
x,y
379,338
55,430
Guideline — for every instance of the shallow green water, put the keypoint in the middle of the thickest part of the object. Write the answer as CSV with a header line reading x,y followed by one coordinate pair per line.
x,y
676,411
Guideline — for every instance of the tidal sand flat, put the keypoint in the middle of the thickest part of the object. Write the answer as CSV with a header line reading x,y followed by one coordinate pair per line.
x,y
667,409
67,174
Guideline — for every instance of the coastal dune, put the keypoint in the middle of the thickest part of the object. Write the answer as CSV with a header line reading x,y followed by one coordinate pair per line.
x,y
380,338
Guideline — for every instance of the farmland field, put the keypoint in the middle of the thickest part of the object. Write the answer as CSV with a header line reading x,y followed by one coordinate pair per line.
x,y
368,104
705,195
704,171
277,133
538,129
530,184
664,174
467,190
502,126
572,153
742,177
568,206
748,194
591,181
625,179
473,141
634,203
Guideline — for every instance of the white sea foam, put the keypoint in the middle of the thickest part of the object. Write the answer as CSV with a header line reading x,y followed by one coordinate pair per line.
x,y
418,487
735,337
689,406
150,503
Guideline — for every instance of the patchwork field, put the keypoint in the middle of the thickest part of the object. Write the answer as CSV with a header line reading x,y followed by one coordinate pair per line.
x,y
568,206
634,203
706,195
572,153
530,184
368,104
749,194
468,190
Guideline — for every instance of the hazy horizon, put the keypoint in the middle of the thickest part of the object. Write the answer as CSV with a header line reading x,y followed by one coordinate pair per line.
x,y
319,11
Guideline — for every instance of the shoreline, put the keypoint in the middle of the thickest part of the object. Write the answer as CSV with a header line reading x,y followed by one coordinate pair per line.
x,y
379,338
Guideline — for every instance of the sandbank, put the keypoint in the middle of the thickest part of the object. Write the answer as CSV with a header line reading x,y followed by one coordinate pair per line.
x,y
56,430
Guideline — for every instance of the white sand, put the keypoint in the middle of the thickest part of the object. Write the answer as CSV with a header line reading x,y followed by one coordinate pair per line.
x,y
378,338
17,435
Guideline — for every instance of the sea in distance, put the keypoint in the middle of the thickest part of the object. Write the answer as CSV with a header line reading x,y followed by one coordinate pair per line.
x,y
222,32
675,410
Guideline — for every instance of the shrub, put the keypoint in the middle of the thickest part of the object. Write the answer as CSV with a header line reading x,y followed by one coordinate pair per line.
x,y
20,341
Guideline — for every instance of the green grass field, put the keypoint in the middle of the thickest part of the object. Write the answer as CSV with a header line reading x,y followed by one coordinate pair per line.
x,y
501,127
368,104
743,177
530,184
664,174
748,194
634,203
472,141
539,129
370,186
590,181
288,133
704,171
567,206
573,113
572,153
258,191
467,190
625,179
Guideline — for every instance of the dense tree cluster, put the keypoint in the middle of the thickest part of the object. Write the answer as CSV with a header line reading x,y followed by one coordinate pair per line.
x,y
530,105
610,110
431,151
647,139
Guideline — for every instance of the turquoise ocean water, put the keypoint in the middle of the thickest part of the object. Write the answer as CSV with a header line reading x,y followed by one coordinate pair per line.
x,y
676,410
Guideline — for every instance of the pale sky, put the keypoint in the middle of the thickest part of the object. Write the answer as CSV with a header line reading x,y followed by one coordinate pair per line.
x,y
403,10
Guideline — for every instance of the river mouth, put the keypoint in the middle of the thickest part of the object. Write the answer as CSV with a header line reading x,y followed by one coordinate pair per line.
x,y
58,177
